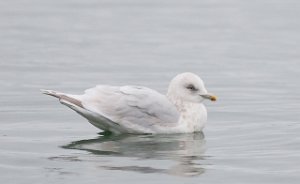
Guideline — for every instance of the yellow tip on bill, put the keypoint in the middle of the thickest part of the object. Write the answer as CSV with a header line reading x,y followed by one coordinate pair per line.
x,y
213,98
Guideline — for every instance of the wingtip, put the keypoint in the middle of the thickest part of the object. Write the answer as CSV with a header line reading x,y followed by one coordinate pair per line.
x,y
50,92
45,91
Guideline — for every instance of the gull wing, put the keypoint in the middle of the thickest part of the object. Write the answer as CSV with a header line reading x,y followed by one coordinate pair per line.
x,y
133,107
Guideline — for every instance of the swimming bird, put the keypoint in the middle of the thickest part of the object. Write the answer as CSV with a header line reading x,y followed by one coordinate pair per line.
x,y
141,110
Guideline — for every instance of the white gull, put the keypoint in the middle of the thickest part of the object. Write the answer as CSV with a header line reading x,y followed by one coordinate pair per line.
x,y
140,110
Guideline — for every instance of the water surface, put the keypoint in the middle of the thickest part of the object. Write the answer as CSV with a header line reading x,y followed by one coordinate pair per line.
x,y
247,52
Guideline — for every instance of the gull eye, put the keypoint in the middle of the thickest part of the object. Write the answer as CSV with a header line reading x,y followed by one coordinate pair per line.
x,y
191,87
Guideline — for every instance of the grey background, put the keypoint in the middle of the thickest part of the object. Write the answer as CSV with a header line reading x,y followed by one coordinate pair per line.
x,y
247,52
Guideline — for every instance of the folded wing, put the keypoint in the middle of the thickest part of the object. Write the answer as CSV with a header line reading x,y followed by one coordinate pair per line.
x,y
132,107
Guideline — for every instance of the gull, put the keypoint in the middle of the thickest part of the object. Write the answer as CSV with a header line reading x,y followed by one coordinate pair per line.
x,y
141,110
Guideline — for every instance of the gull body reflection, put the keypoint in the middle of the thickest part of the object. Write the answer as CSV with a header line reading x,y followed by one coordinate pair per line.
x,y
186,151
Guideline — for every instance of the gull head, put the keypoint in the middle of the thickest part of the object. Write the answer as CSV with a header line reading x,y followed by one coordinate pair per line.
x,y
189,87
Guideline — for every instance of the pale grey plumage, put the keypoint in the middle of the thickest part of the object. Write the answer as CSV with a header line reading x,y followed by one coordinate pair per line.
x,y
133,106
136,109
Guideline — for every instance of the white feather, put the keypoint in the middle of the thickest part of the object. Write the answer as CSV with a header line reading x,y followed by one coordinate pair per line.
x,y
136,109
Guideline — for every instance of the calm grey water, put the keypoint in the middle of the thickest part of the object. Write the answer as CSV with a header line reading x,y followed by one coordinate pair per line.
x,y
247,52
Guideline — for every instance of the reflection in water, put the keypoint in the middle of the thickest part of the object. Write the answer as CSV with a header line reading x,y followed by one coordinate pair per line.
x,y
183,149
